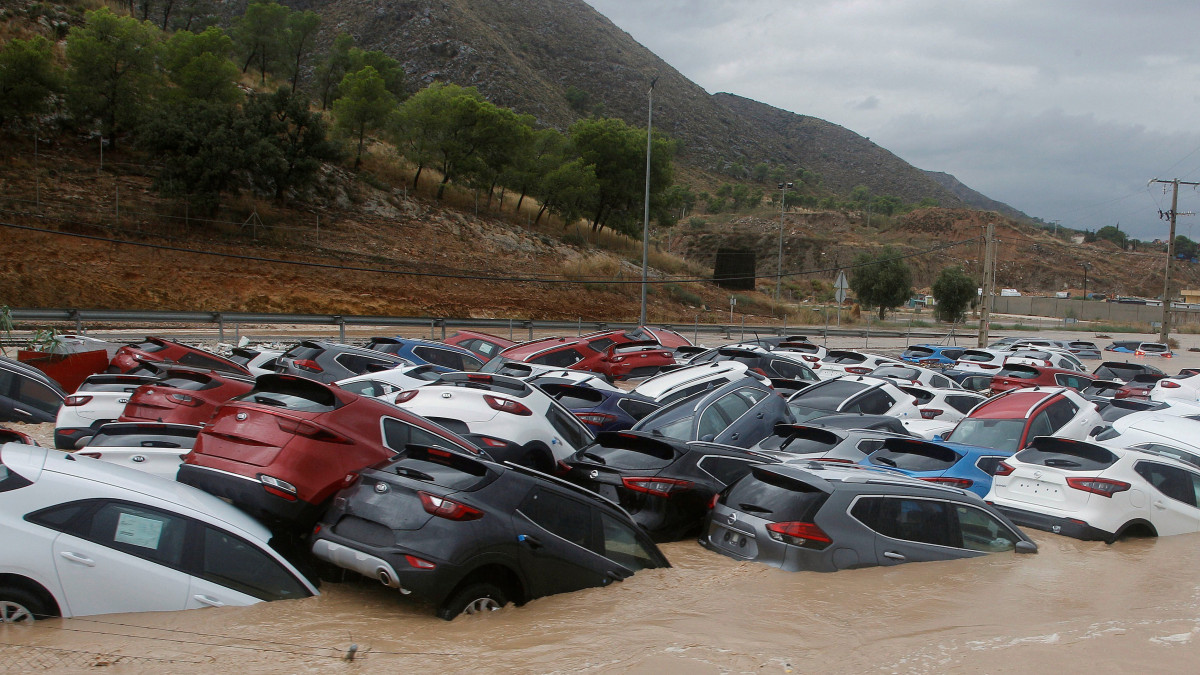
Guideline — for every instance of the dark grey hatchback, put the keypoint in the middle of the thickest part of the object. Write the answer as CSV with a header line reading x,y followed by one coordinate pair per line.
x,y
825,518
470,535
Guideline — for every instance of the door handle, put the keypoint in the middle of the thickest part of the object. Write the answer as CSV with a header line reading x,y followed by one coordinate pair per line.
x,y
78,558
1158,504
893,555
22,412
530,541
211,602
760,415
734,437
615,576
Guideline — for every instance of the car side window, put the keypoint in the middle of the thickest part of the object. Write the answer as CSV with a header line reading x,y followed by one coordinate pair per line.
x,y
398,435
1173,482
983,532
963,404
623,546
440,357
925,521
147,533
560,358
369,387
870,445
572,430
1040,426
601,344
736,403
941,382
1060,412
725,469
37,395
712,422
876,402
561,516
235,563
787,369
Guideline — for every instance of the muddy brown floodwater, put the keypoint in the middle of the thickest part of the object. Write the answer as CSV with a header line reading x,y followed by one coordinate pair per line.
x,y
1133,606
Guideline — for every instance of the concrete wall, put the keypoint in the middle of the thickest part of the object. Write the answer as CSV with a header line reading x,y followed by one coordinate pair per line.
x,y
1091,310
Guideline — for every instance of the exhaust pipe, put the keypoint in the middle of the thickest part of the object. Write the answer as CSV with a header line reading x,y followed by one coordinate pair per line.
x,y
384,577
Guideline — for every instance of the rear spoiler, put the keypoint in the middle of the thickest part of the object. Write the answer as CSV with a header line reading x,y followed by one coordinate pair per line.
x,y
690,350
638,442
786,385
635,344
806,432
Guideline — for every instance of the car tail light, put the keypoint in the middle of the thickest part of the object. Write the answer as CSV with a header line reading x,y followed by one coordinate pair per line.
x,y
858,370
480,377
810,359
659,487
807,535
507,405
349,479
1166,384
1003,469
448,508
406,396
595,419
493,442
1140,353
930,413
184,399
309,365
310,430
74,400
712,503
1104,487
88,454
1167,355
279,488
963,483
420,563
563,468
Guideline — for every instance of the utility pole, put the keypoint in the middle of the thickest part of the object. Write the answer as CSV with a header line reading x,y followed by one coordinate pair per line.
x,y
1164,332
989,276
646,216
783,188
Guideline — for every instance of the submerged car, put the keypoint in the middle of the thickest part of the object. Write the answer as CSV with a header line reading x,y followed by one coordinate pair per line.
x,y
80,537
100,399
160,350
1009,421
469,535
932,355
740,413
824,517
962,466
183,396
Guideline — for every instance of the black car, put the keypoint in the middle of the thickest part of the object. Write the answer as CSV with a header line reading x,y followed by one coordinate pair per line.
x,y
666,484
470,535
332,361
861,421
1125,372
741,413
808,441
27,394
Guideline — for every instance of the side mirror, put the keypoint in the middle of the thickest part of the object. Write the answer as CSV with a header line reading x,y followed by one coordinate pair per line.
x,y
707,438
1026,547
937,438
1094,431
82,442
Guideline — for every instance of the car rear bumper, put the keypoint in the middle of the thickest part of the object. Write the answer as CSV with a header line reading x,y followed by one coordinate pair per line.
x,y
389,567
250,495
1069,527
65,438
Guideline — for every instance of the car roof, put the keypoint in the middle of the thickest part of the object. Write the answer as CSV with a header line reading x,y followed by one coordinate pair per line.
x,y
1017,403
657,385
831,476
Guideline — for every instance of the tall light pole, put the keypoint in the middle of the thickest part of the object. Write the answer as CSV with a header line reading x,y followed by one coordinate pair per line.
x,y
1086,267
783,188
646,217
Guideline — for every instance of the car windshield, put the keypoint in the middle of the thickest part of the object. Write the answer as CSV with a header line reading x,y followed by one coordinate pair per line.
x,y
989,433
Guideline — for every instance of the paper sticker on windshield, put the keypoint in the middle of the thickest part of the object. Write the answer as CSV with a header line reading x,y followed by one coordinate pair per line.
x,y
138,531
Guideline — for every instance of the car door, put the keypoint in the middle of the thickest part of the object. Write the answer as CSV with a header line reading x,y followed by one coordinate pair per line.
x,y
231,571
557,541
1173,506
752,416
911,529
124,558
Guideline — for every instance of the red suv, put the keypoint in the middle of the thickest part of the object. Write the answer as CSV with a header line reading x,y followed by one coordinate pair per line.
x,y
484,345
611,353
1019,376
183,396
158,350
281,450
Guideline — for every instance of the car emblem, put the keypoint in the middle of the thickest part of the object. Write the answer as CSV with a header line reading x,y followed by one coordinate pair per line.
x,y
594,474
732,518
381,488
122,400
1037,474
446,394
241,416
138,458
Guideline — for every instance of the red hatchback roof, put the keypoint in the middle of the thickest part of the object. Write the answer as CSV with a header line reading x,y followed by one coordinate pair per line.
x,y
1014,405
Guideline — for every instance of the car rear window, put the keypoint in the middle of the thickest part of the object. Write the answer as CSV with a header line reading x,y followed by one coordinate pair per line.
x,y
918,352
1153,347
829,396
636,409
303,351
438,467
897,371
1000,434
189,382
117,383
1091,346
844,357
292,393
1117,371
914,456
629,451
242,356
9,479
570,396
1067,455
772,496
807,440
150,346
1018,371
977,356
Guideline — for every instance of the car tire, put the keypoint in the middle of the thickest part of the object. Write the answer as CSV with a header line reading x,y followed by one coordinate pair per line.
x,y
477,598
18,605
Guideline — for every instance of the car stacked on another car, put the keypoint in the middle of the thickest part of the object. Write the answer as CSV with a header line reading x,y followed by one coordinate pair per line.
x,y
861,394
483,345
159,350
470,535
1010,421
740,413
1021,375
1123,371
331,361
152,447
183,396
823,516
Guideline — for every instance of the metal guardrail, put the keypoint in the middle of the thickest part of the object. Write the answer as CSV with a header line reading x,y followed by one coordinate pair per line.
x,y
84,317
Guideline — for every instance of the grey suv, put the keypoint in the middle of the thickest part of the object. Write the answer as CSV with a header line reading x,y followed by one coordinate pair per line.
x,y
824,518
329,362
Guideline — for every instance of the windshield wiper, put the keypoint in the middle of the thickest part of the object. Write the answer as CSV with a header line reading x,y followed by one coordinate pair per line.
x,y
595,458
753,508
886,461
413,473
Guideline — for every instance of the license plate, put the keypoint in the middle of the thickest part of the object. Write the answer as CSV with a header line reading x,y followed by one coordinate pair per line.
x,y
1038,488
741,543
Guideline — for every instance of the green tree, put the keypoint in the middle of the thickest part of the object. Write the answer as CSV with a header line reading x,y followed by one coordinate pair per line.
x,y
954,291
113,69
198,64
259,35
202,145
332,69
618,154
28,78
533,161
296,42
394,77
1113,234
883,281
1185,247
290,142
364,106
569,190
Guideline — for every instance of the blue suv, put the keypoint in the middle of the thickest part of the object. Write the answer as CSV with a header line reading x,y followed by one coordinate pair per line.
x,y
446,358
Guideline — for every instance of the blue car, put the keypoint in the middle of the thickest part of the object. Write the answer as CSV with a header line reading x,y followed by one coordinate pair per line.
x,y
600,409
938,355
968,467
446,358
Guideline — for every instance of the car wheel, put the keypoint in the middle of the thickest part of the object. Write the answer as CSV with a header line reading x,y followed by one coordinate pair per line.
x,y
480,598
19,606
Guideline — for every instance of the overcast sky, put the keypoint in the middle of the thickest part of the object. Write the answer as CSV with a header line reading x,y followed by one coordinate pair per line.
x,y
1063,110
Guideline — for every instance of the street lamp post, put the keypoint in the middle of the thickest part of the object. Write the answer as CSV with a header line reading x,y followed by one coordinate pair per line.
x,y
646,218
1086,267
783,188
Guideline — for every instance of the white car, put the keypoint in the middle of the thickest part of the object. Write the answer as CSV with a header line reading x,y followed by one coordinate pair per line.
x,y
1167,431
1046,357
578,378
502,408
671,386
907,373
1097,490
258,360
813,355
80,537
860,394
946,405
384,383
984,361
838,362
156,448
100,399
1185,387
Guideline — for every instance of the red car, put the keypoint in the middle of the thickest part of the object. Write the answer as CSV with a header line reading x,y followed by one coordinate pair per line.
x,y
1018,376
1011,420
280,451
1139,387
663,336
183,396
13,436
610,353
483,345
159,350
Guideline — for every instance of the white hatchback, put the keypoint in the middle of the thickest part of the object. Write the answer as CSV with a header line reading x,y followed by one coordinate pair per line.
x,y
1097,490
80,536
100,399
155,448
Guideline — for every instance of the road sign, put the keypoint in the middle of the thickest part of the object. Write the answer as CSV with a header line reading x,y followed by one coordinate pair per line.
x,y
841,285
